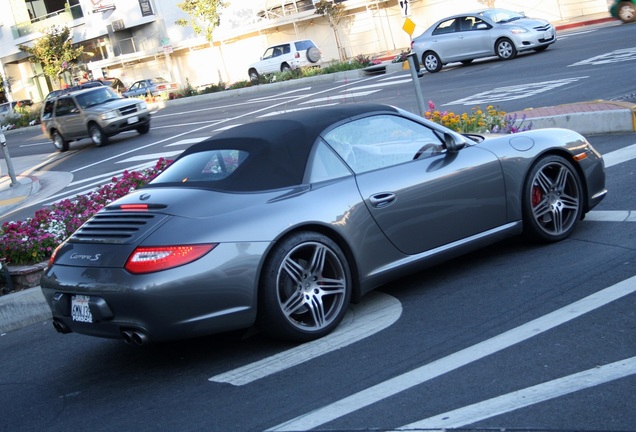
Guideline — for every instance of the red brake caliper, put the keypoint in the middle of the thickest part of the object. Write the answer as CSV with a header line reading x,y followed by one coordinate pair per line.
x,y
537,196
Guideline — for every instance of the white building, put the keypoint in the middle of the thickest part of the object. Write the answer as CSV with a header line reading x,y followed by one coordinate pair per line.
x,y
134,39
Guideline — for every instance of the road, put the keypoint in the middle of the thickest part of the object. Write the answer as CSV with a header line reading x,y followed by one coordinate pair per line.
x,y
516,336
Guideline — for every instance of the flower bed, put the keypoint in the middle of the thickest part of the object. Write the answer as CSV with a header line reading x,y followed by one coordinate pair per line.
x,y
489,121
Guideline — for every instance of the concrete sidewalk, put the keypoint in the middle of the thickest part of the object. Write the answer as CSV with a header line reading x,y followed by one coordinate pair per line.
x,y
28,306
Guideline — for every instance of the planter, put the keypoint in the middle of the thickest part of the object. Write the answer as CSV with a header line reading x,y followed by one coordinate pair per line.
x,y
22,276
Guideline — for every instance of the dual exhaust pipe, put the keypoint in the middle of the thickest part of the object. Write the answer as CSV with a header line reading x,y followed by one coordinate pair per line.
x,y
130,336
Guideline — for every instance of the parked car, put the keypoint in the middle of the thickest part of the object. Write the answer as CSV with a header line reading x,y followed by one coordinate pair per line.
x,y
250,226
95,113
114,83
8,108
69,89
150,87
285,56
625,10
485,33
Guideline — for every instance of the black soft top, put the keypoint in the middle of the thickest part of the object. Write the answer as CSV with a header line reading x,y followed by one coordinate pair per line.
x,y
278,147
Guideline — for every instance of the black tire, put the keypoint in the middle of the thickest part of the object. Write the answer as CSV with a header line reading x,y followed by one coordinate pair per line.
x,y
59,142
505,49
253,76
431,62
305,288
626,11
97,135
313,55
285,67
143,129
552,200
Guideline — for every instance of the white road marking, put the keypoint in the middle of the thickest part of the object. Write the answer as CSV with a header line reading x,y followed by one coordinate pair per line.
x,y
456,360
611,216
514,92
275,113
617,56
619,156
526,397
377,312
381,84
153,156
187,141
339,97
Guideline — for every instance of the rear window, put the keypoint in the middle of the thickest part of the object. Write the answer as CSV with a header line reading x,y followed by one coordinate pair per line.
x,y
303,45
205,166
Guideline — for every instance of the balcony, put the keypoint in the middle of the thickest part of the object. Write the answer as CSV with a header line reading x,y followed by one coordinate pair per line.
x,y
63,17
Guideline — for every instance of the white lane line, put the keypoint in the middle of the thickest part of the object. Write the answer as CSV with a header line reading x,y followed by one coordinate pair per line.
x,y
187,141
611,216
275,113
377,312
456,360
382,84
526,397
619,156
339,97
153,156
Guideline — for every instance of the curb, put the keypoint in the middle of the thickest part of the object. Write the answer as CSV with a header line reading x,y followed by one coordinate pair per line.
x,y
22,308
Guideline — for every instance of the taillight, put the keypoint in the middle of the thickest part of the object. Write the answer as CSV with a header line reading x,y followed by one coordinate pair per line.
x,y
157,258
54,254
297,54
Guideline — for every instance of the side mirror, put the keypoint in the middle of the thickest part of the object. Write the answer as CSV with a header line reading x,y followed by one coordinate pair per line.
x,y
481,26
453,145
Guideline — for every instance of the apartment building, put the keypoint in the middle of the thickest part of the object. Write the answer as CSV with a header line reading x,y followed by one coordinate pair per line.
x,y
135,39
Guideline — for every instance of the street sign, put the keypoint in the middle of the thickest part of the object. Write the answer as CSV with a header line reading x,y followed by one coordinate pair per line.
x,y
405,8
409,26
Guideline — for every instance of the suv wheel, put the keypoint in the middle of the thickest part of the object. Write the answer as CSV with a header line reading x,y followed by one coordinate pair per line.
x,y
97,135
253,76
144,129
285,67
59,142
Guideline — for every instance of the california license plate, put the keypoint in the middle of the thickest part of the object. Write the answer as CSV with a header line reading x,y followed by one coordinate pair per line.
x,y
133,119
80,311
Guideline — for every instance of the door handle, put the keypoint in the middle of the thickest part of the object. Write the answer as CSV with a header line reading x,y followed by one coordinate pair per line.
x,y
382,199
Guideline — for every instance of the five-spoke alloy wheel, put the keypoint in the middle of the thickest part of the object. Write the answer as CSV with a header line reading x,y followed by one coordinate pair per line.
x,y
552,200
306,288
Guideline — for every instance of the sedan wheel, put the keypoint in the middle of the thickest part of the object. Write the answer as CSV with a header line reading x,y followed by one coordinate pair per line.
x,y
505,49
306,288
97,135
552,200
432,62
59,142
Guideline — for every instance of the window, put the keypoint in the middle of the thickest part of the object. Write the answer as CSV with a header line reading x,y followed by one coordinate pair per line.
x,y
447,26
65,106
205,166
381,141
325,165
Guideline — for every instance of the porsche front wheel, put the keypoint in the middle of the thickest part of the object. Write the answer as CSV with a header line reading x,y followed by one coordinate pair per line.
x,y
552,200
306,288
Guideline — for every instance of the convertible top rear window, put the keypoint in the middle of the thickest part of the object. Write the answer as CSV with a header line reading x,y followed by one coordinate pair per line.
x,y
205,166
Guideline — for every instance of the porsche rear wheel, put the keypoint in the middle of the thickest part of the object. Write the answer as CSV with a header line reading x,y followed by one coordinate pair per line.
x,y
552,200
306,288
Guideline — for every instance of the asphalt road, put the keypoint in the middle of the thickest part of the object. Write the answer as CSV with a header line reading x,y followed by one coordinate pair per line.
x,y
516,336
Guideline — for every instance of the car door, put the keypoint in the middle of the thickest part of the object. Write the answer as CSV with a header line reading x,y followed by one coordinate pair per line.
x,y
474,38
421,195
69,119
445,40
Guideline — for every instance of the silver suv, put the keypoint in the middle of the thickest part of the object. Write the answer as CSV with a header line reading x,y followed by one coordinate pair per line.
x,y
97,113
285,56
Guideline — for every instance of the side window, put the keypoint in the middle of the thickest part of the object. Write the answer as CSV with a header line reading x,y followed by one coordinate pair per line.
x,y
47,112
381,141
286,49
269,53
325,165
444,27
65,106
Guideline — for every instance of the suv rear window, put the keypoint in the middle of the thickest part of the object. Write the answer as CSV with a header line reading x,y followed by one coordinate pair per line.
x,y
303,45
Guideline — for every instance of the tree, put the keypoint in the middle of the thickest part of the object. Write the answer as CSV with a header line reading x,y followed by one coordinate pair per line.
x,y
334,13
55,51
204,16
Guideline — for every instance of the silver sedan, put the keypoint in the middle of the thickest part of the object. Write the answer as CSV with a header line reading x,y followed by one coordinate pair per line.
x,y
486,33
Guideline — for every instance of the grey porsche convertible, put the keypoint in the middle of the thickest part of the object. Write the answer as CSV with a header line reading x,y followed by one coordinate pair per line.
x,y
280,223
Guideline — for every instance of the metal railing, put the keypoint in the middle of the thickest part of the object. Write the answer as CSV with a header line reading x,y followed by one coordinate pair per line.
x,y
60,17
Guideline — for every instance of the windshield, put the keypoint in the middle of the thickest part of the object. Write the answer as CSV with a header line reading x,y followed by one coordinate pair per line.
x,y
501,15
96,97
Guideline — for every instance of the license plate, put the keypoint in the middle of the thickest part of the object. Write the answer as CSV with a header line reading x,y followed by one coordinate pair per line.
x,y
79,309
133,119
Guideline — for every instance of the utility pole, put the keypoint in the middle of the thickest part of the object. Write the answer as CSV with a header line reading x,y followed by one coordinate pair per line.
x,y
7,158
